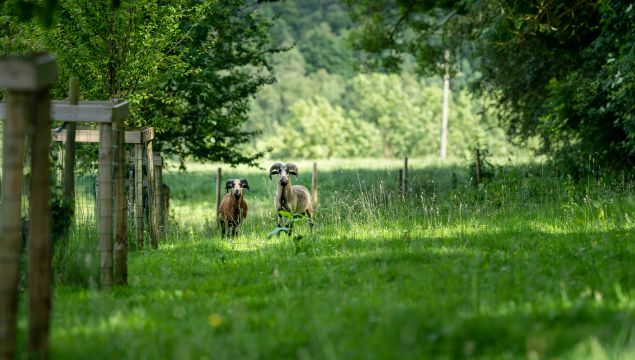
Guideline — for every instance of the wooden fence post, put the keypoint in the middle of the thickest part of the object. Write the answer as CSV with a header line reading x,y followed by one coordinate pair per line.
x,y
105,204
314,186
27,80
403,178
138,175
120,211
478,167
166,203
218,186
158,191
152,203
68,184
39,240
18,109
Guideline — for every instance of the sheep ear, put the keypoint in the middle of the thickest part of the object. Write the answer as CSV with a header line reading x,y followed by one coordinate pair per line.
x,y
275,169
245,184
293,170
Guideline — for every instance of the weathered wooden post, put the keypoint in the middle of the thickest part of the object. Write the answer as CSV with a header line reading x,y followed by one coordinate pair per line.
x,y
218,193
314,186
138,176
120,213
158,182
105,199
152,203
166,203
404,178
39,240
28,81
68,184
401,187
478,167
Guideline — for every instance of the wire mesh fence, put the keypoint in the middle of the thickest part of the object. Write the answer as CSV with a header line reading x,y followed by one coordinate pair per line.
x,y
74,225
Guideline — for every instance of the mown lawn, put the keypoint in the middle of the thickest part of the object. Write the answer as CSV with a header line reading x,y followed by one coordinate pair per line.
x,y
531,265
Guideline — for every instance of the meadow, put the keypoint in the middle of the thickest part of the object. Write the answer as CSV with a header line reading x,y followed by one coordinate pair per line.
x,y
531,264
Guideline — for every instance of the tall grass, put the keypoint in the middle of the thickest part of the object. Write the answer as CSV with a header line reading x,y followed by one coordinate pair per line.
x,y
531,264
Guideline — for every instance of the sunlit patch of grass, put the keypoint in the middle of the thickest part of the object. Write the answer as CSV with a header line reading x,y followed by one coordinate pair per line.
x,y
531,265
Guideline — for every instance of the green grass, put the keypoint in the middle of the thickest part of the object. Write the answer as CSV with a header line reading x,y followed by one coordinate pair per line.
x,y
531,265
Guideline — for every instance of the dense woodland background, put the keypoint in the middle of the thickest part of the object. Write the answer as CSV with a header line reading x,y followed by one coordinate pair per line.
x,y
327,103
234,80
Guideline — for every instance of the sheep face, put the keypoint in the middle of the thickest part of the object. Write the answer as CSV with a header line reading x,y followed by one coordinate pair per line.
x,y
236,186
284,170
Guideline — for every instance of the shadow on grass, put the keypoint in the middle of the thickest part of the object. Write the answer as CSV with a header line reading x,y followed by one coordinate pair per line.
x,y
496,294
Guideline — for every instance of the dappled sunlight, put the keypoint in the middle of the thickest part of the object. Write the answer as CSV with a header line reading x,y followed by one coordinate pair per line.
x,y
449,266
133,319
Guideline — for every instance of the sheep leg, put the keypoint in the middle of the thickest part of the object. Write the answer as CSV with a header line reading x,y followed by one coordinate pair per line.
x,y
310,216
291,222
222,228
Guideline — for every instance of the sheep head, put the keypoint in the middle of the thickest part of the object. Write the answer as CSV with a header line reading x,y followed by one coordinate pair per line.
x,y
284,170
236,186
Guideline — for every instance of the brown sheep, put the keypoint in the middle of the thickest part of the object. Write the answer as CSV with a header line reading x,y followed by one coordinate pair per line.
x,y
295,199
233,209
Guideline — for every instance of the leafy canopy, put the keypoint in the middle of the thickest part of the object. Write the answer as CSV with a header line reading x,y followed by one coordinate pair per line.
x,y
562,71
187,67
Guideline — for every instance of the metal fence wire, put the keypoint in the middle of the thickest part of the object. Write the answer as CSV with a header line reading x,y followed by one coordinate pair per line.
x,y
74,225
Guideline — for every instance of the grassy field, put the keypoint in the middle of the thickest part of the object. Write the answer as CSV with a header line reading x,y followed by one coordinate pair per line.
x,y
530,265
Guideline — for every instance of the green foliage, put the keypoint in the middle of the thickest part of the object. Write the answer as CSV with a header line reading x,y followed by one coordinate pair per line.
x,y
320,109
369,115
560,71
187,68
25,10
319,30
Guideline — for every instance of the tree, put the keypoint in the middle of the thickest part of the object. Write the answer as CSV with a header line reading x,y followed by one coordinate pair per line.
x,y
562,71
187,67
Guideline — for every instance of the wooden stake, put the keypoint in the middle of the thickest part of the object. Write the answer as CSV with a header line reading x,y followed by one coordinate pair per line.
x,y
158,191
28,80
314,188
39,240
138,175
19,109
404,184
166,203
105,204
218,187
68,184
152,203
478,167
121,219
401,191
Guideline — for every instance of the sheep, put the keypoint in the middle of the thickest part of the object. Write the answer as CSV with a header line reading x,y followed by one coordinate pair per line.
x,y
233,209
295,199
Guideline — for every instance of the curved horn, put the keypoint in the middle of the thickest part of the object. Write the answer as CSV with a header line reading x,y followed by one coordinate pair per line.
x,y
275,169
244,184
293,170
229,184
